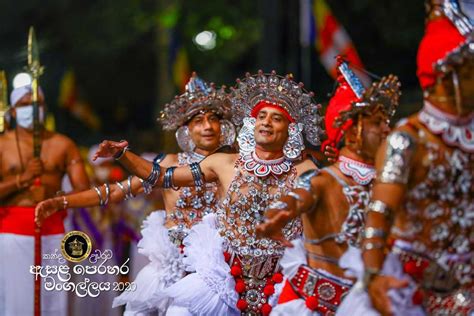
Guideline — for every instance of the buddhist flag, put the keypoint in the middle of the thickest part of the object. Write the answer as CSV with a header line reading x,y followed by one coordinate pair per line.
x,y
320,28
179,68
68,99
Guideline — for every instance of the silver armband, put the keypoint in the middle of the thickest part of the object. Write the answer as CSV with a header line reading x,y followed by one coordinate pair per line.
x,y
107,193
122,188
398,155
279,205
372,232
99,194
304,181
380,207
151,180
367,277
295,195
373,245
197,174
168,179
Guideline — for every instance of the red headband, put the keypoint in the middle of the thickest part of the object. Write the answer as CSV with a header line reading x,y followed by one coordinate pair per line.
x,y
267,104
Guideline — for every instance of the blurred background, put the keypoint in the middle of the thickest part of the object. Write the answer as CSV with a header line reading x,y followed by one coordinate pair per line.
x,y
111,65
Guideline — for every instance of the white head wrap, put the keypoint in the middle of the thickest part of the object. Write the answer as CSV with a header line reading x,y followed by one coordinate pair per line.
x,y
20,92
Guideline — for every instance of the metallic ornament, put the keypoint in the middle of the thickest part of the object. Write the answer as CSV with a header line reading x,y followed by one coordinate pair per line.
x,y
295,143
246,138
227,133
184,139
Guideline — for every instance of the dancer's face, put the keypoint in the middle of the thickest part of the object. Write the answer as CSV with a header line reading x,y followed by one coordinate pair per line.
x,y
271,129
466,85
375,129
205,131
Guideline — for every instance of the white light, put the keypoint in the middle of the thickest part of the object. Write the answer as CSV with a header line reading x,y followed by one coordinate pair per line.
x,y
21,79
205,40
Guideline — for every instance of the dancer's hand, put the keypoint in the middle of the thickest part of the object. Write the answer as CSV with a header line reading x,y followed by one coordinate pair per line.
x,y
47,208
276,218
109,149
378,291
331,153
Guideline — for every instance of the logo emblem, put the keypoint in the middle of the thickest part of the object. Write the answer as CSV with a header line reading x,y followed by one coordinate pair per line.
x,y
76,246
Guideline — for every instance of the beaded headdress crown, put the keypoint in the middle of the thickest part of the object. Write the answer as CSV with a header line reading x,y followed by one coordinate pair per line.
x,y
199,96
383,94
280,91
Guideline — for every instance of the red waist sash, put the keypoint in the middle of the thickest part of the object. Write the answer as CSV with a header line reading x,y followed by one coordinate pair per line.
x,y
21,220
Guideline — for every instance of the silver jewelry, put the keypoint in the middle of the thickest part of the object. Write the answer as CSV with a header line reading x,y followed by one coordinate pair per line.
x,y
107,193
184,139
227,133
380,207
150,182
246,138
372,232
122,188
398,155
197,174
129,182
99,194
372,245
122,152
304,180
168,179
279,205
367,277
295,143
295,195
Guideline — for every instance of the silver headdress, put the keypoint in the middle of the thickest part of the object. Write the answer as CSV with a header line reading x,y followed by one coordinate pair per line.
x,y
285,93
198,97
383,94
465,51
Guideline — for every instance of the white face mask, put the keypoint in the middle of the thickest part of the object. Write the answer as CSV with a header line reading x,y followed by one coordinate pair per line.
x,y
24,116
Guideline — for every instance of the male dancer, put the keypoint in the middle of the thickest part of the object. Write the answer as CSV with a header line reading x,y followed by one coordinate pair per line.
x,y
331,202
424,194
234,272
199,117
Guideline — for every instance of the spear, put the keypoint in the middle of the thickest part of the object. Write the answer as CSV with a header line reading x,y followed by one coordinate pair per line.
x,y
35,69
3,100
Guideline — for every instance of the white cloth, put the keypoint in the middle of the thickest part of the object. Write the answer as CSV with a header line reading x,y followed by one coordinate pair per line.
x,y
20,92
210,290
16,281
165,268
357,302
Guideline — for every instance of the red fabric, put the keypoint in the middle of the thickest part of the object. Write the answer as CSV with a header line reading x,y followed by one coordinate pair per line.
x,y
341,101
440,38
287,294
267,104
21,220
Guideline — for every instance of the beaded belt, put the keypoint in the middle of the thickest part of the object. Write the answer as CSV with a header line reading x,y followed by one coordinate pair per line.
x,y
439,291
323,292
427,273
